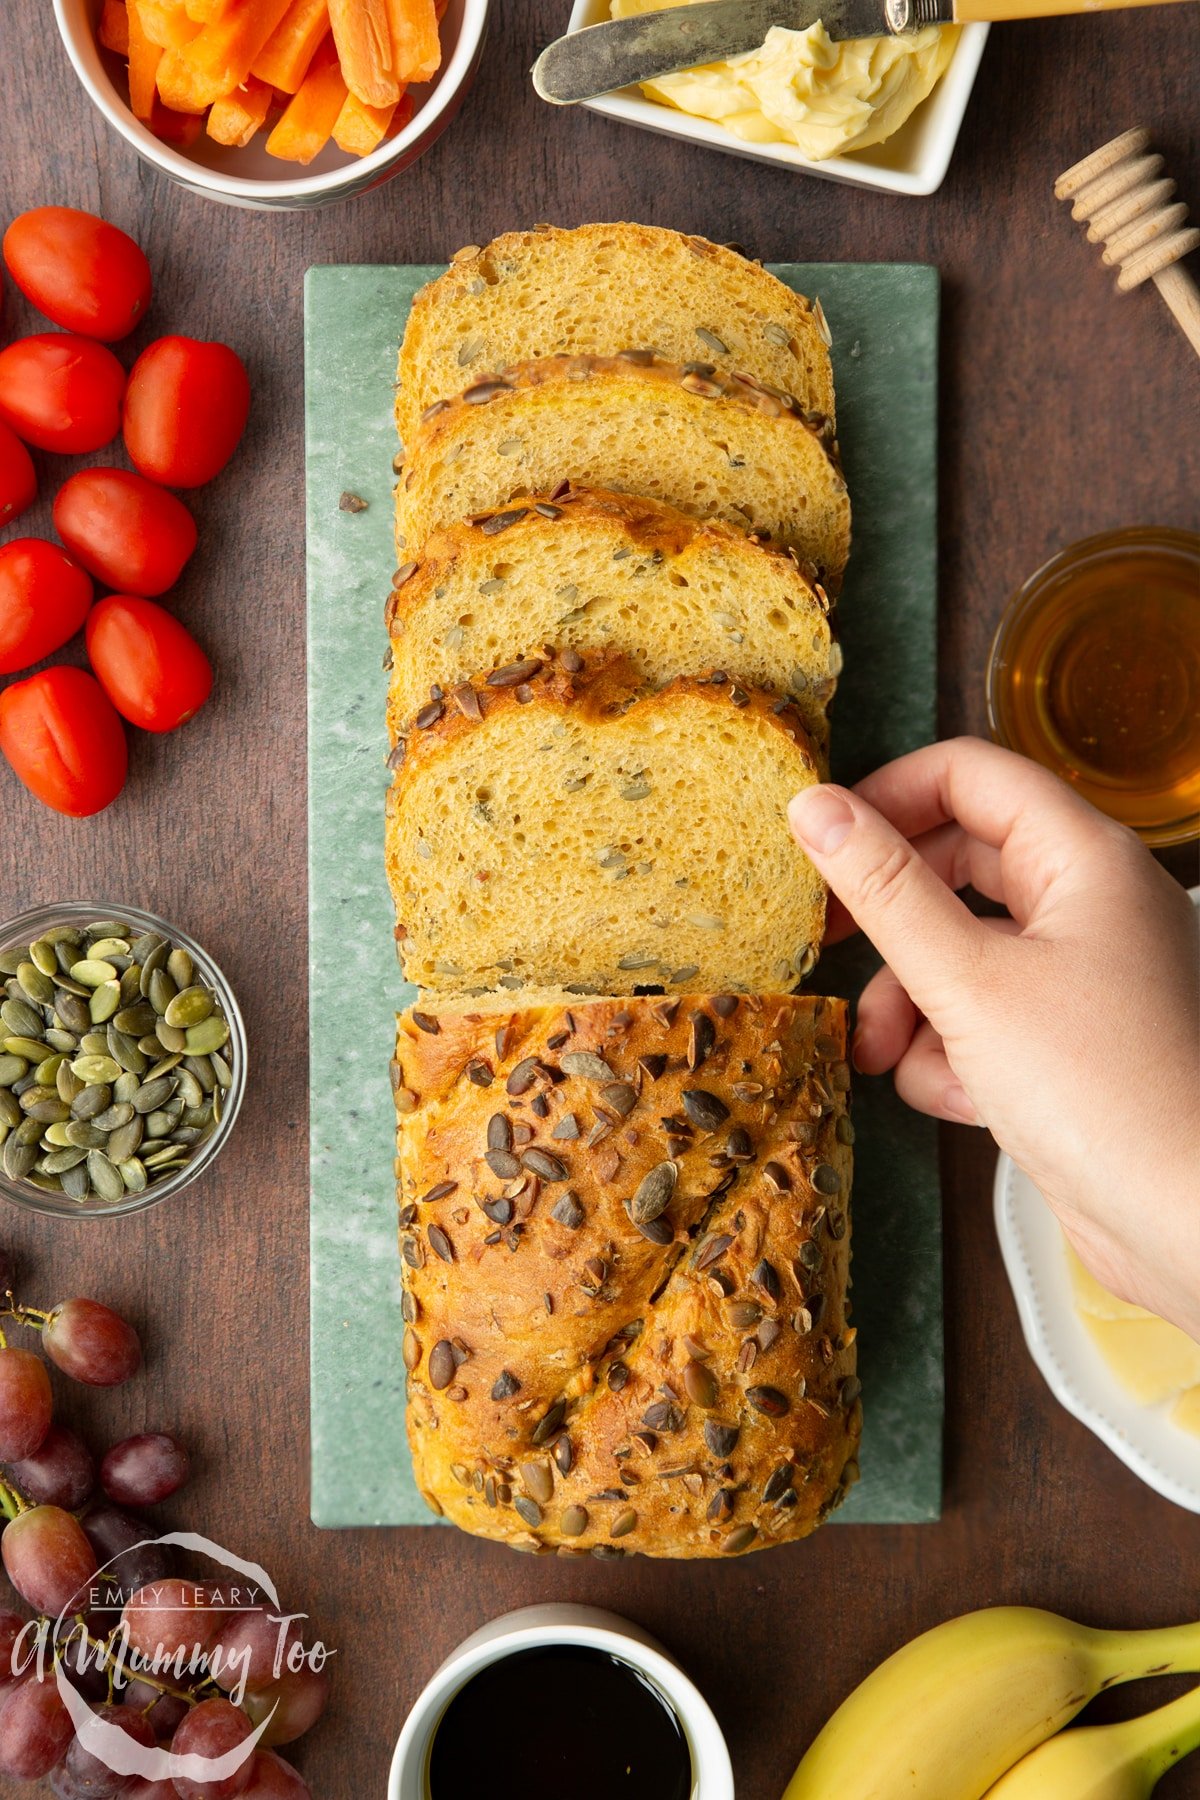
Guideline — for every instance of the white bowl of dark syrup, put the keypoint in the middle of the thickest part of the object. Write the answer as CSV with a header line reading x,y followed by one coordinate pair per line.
x,y
630,1708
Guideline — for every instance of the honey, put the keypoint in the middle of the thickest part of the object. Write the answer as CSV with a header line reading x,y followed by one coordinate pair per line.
x,y
1095,672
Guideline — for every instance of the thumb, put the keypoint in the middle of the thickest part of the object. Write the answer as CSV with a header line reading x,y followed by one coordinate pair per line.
x,y
923,931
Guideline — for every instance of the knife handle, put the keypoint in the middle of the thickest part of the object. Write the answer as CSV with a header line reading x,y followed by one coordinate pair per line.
x,y
993,11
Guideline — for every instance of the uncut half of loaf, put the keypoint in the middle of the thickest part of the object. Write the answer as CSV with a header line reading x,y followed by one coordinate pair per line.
x,y
603,288
713,446
556,824
601,571
625,1242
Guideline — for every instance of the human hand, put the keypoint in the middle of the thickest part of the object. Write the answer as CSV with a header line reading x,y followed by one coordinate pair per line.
x,y
1071,1028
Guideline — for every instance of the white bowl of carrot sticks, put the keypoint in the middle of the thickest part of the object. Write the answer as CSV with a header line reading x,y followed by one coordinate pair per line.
x,y
276,103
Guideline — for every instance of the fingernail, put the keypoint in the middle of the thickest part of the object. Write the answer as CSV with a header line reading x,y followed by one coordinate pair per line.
x,y
957,1102
821,818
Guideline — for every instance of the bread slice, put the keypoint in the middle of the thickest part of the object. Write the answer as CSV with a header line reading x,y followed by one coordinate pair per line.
x,y
558,825
601,571
625,1230
712,446
600,289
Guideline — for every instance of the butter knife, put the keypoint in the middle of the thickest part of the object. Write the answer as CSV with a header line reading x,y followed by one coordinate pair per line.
x,y
621,52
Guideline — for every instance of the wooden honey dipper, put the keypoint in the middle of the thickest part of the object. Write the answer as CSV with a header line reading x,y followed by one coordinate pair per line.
x,y
1126,199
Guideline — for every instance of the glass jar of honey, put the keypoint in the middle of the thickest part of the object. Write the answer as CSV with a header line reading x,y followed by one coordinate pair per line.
x,y
1095,672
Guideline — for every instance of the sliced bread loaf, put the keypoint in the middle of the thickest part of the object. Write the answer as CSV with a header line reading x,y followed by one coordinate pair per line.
x,y
602,571
558,825
600,289
713,446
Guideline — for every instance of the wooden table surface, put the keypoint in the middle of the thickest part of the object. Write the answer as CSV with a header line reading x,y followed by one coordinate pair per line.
x,y
1065,410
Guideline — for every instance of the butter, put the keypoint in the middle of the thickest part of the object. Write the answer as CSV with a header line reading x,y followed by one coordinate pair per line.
x,y
1152,1360
802,88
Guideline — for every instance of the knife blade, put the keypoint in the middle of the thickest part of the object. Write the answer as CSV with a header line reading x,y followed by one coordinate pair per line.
x,y
622,52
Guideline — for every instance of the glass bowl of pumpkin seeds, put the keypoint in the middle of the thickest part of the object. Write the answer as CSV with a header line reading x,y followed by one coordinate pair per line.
x,y
122,1060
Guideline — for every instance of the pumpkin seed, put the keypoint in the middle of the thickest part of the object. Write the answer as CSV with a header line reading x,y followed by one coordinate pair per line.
x,y
22,1019
46,1073
211,1034
59,1161
105,1001
93,1043
12,1068
125,1140
105,1177
93,1100
91,1069
35,984
181,968
190,1007
92,971
75,1183
41,955
133,1176
10,1111
171,1037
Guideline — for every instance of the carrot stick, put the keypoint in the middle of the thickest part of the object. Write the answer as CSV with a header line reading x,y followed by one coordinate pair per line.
x,y
416,47
364,44
166,24
310,116
235,118
114,27
177,84
289,50
361,129
144,58
220,58
206,11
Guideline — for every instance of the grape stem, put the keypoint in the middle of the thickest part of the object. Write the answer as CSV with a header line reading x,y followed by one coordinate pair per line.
x,y
33,1316
12,1500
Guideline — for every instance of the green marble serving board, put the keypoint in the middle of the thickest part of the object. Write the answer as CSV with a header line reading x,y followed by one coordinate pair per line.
x,y
884,321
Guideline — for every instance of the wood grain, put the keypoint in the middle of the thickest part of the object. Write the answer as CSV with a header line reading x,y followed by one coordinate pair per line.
x,y
1065,411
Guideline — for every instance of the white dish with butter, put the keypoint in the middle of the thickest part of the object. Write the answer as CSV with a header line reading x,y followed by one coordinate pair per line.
x,y
1162,1453
912,161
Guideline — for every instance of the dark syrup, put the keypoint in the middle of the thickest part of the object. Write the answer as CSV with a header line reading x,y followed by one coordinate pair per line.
x,y
563,1723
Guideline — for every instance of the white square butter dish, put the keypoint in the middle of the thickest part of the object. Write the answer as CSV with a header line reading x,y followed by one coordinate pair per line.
x,y
913,161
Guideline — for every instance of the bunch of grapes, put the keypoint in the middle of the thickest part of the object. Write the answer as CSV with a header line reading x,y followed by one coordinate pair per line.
x,y
161,1667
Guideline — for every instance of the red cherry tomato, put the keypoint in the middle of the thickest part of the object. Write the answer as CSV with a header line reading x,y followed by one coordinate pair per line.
x,y
61,392
79,270
61,733
185,410
129,533
149,665
44,599
18,482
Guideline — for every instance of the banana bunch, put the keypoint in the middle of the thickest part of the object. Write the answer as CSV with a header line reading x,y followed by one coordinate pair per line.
x,y
955,1712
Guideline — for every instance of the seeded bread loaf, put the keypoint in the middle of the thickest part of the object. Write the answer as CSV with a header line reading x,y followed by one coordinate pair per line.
x,y
556,824
625,1243
714,446
598,571
600,289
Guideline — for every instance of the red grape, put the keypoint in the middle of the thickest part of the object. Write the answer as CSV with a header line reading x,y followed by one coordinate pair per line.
x,y
59,1473
164,1711
64,1787
85,1761
274,1779
35,1729
249,1644
91,1343
211,1730
170,1616
144,1469
26,1404
48,1559
151,1790
302,1698
125,1554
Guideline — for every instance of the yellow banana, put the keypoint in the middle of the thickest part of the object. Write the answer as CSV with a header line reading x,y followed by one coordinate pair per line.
x,y
948,1714
1107,1762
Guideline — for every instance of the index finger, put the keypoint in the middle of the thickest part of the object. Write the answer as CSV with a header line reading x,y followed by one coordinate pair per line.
x,y
989,790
